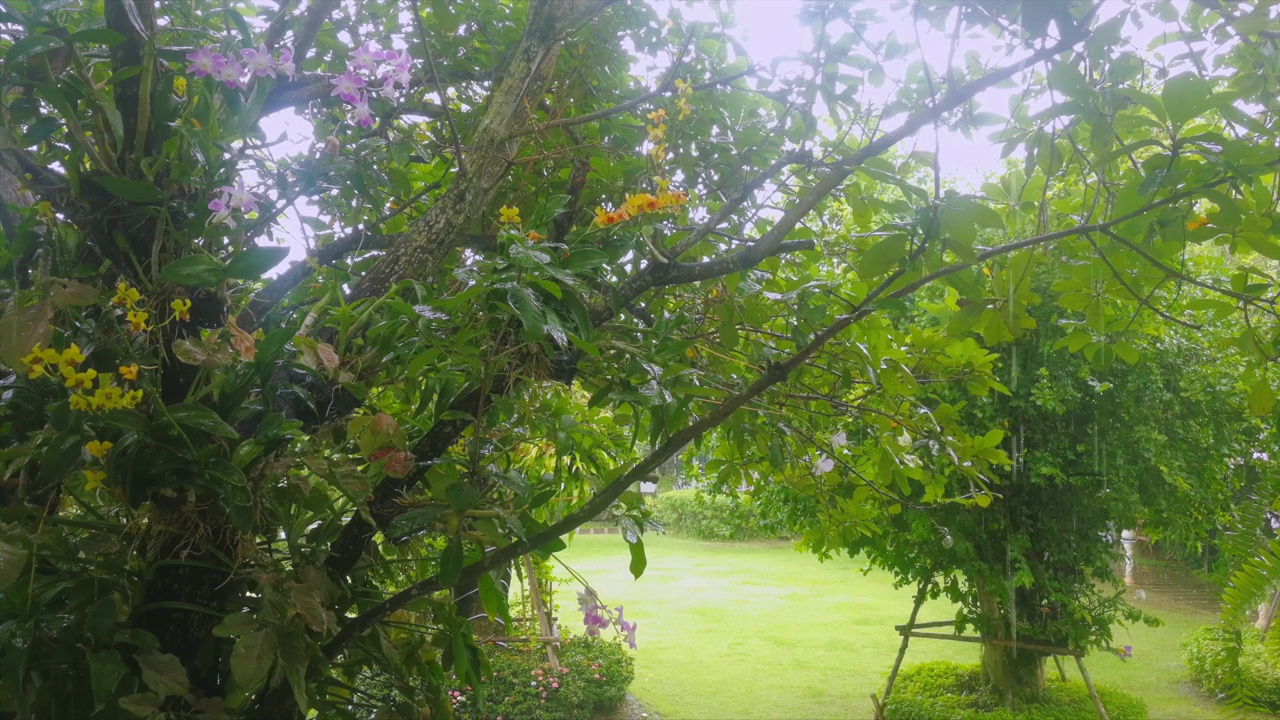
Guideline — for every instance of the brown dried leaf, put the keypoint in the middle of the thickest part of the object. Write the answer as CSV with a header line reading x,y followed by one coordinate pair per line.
x,y
242,341
21,329
69,292
328,356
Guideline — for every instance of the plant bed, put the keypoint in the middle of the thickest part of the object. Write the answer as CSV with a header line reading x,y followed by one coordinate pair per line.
x,y
593,680
1222,670
952,691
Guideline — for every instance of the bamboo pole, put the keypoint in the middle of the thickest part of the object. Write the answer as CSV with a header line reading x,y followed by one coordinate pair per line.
x,y
1093,692
1062,671
1047,649
921,594
544,622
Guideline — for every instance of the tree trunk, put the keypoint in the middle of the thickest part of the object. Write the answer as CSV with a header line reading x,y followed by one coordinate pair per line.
x,y
1013,672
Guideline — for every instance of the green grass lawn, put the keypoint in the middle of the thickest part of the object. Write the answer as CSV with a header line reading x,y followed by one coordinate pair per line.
x,y
759,630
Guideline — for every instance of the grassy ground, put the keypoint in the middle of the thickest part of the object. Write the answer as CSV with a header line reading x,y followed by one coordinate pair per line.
x,y
759,630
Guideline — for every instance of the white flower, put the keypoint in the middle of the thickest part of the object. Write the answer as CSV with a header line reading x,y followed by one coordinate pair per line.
x,y
823,465
839,439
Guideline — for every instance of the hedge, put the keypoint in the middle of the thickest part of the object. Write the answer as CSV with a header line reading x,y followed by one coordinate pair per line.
x,y
1211,657
691,513
951,691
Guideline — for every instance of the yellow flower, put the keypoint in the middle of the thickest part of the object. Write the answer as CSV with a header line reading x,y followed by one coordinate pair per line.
x,y
138,320
684,107
44,211
659,152
657,115
181,309
107,398
662,183
34,362
126,295
180,86
1197,223
79,402
82,380
535,236
129,372
656,133
50,356
509,214
93,479
132,398
98,448
72,356
683,87
692,353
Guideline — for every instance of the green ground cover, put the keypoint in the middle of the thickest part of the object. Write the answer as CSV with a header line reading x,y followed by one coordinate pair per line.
x,y
759,630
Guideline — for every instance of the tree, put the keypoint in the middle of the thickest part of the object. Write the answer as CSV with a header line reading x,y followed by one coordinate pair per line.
x,y
233,496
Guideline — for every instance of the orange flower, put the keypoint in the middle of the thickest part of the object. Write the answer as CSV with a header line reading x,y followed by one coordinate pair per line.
x,y
534,236
129,372
1197,223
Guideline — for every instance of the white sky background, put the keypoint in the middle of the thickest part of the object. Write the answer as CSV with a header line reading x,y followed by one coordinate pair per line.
x,y
770,30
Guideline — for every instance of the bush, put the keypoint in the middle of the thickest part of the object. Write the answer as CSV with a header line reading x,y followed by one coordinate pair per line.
x,y
1211,655
595,674
691,513
951,691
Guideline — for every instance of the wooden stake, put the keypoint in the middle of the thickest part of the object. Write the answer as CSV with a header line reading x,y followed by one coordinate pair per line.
x,y
921,595
544,622
1062,671
1093,692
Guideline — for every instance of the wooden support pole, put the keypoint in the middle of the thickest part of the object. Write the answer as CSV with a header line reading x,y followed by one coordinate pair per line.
x,y
1047,649
544,622
1062,671
921,596
1093,692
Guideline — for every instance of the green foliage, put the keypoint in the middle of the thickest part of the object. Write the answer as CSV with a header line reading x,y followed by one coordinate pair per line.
x,y
694,514
1226,663
523,684
951,691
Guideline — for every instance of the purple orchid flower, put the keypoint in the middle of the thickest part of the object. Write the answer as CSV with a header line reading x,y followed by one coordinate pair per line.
x,y
361,114
285,64
365,58
230,74
221,213
629,631
347,86
238,197
258,62
205,61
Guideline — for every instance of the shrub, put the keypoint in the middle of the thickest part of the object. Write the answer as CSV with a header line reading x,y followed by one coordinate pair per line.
x,y
691,513
951,691
595,674
1217,667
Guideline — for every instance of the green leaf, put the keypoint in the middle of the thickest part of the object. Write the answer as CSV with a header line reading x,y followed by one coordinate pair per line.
x,y
125,420
252,658
1262,399
28,46
39,130
584,258
12,561
638,560
530,311
194,415
451,562
96,36
252,263
196,270
881,257
131,190
163,673
105,670
1185,97
144,705
493,598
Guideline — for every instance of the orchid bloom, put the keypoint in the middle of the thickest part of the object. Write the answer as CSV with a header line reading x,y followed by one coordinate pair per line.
x,y
258,62
221,213
347,86
629,630
239,198
823,465
365,58
285,64
840,439
205,61
361,114
231,74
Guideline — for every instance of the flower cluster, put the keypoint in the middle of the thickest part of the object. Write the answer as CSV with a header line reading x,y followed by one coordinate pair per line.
x,y
596,617
128,298
231,198
640,204
390,68
66,364
236,73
